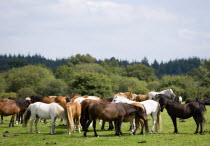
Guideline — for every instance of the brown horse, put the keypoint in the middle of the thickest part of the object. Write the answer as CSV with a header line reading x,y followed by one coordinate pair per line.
x,y
9,108
74,114
117,112
141,97
86,102
21,103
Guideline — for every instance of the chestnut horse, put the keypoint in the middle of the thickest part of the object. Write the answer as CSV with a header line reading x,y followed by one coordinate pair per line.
x,y
9,108
74,114
141,97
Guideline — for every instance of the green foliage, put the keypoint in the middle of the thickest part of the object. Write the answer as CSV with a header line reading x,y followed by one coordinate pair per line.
x,y
25,92
131,84
27,76
52,87
2,84
79,59
142,72
91,68
9,94
182,85
92,84
153,85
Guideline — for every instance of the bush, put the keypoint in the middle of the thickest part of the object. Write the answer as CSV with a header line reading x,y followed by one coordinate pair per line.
x,y
92,84
25,92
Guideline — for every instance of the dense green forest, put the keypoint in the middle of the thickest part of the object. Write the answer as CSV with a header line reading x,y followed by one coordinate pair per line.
x,y
22,76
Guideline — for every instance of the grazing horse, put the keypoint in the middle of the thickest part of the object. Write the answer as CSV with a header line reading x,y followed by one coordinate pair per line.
x,y
168,92
74,115
9,108
39,110
141,97
184,111
117,112
152,108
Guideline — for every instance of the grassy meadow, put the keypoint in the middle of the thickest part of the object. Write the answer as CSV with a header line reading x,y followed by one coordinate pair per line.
x,y
21,136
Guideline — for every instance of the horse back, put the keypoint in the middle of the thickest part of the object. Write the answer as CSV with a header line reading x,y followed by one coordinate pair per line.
x,y
75,108
105,111
9,108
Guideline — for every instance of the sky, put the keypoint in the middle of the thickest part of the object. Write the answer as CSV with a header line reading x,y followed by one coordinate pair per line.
x,y
124,29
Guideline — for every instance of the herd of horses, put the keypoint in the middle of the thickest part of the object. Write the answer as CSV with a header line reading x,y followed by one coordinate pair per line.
x,y
78,112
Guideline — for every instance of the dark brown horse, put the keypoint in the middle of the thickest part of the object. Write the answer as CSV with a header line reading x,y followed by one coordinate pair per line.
x,y
117,112
86,102
184,111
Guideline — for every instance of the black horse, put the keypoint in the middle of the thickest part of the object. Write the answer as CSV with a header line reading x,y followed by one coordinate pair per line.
x,y
192,109
205,101
172,98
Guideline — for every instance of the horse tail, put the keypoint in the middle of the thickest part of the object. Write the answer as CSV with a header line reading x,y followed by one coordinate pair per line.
x,y
27,116
84,117
159,119
70,119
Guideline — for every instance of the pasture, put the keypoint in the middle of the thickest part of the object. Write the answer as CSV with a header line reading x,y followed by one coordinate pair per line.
x,y
20,136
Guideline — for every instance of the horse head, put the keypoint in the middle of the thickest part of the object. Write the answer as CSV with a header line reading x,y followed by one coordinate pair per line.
x,y
163,103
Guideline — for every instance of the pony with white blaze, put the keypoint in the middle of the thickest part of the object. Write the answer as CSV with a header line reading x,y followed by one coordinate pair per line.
x,y
168,92
152,108
42,110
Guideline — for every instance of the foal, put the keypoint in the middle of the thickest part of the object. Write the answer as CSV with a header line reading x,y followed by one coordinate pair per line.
x,y
184,111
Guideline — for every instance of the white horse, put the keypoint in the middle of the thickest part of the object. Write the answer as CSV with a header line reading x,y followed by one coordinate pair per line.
x,y
152,108
42,110
168,92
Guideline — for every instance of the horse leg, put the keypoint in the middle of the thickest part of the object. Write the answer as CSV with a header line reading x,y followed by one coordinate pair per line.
x,y
78,124
142,125
136,127
52,129
2,119
175,124
154,126
31,122
102,126
94,128
120,124
11,124
196,118
86,127
36,123
111,127
133,129
116,127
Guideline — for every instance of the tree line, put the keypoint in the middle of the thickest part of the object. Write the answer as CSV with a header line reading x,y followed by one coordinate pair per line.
x,y
22,76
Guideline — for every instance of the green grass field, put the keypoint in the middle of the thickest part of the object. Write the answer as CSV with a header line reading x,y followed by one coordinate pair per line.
x,y
21,136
